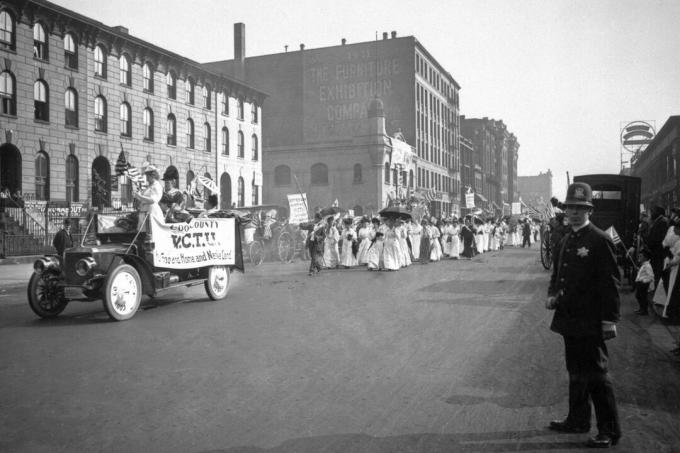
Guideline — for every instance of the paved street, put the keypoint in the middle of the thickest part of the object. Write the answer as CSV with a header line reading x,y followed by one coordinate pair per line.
x,y
452,356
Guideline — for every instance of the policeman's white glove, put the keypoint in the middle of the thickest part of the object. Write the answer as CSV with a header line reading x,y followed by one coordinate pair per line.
x,y
551,303
608,330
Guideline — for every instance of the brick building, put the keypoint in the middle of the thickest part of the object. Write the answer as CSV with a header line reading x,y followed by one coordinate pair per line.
x,y
75,92
317,113
536,191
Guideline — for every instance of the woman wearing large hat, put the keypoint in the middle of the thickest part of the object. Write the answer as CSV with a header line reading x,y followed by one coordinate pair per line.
x,y
148,198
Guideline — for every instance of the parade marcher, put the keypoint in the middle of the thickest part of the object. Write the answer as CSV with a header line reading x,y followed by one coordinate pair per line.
x,y
526,233
454,249
314,243
391,248
643,282
584,296
425,242
414,232
365,236
210,206
330,251
63,239
479,235
148,198
349,237
375,251
468,233
402,235
436,246
446,234
654,242
671,309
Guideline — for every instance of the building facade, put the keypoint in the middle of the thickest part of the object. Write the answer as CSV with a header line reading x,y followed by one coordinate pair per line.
x,y
535,191
659,167
77,95
318,106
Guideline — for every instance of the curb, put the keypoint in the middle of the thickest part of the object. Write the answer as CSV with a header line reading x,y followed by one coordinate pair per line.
x,y
26,259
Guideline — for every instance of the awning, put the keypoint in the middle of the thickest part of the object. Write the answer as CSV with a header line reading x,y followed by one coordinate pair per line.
x,y
481,197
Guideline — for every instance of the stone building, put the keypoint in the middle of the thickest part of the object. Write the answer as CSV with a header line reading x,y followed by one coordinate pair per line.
x,y
536,191
74,93
317,109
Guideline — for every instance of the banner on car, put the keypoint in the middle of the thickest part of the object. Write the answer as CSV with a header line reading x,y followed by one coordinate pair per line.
x,y
201,242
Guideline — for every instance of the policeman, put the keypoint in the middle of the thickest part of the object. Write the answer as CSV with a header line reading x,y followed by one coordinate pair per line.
x,y
585,298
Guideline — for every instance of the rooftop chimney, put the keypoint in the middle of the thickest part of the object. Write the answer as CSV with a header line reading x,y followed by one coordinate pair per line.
x,y
385,35
394,34
344,41
121,29
239,41
302,47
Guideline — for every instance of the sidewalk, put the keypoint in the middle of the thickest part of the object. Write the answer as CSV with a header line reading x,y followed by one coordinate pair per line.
x,y
16,270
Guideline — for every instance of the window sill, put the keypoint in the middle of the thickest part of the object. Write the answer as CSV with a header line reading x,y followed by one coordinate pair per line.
x,y
41,60
98,132
170,145
148,140
71,69
71,126
100,77
8,49
126,85
39,121
146,91
224,114
126,137
8,115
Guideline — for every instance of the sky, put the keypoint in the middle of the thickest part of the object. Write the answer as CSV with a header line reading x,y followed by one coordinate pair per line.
x,y
564,75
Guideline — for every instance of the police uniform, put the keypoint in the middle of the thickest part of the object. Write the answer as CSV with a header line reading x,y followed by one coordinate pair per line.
x,y
584,279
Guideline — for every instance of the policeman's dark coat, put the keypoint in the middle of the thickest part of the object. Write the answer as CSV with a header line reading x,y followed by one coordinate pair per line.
x,y
587,283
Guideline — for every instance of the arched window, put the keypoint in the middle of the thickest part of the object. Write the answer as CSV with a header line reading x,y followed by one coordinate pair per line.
x,y
395,176
41,101
100,62
147,78
282,175
100,114
239,113
319,174
125,125
207,92
70,52
240,146
8,95
72,178
225,141
225,103
7,32
171,83
189,91
387,172
253,113
207,142
410,178
42,176
171,128
190,133
40,46
255,194
357,174
147,120
241,192
125,70
255,147
71,107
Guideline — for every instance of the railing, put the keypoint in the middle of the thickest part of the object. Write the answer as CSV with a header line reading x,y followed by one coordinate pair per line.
x,y
23,218
25,244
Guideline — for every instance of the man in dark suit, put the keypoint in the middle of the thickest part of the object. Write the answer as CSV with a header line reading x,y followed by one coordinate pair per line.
x,y
584,296
654,241
63,239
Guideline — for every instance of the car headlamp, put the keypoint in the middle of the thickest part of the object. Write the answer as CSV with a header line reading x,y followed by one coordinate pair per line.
x,y
85,266
45,263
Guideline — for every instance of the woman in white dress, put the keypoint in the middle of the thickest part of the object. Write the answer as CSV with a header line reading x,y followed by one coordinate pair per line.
x,y
374,256
414,232
330,249
454,249
436,248
365,236
391,248
402,234
445,241
479,236
148,198
349,236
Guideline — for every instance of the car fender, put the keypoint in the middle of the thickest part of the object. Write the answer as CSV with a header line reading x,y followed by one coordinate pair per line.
x,y
144,270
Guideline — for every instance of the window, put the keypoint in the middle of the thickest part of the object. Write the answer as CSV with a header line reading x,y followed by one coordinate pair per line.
x,y
8,98
99,62
239,114
282,175
241,192
39,42
72,178
147,121
395,177
42,176
40,101
189,91
190,133
255,194
171,126
207,143
171,83
125,71
71,107
70,52
255,144
253,113
357,174
147,78
319,174
207,92
7,36
225,103
125,125
225,141
240,147
100,114
387,172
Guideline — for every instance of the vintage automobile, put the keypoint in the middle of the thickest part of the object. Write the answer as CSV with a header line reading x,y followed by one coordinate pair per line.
x,y
118,263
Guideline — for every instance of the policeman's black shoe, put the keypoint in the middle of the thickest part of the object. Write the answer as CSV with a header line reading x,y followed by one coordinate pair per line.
x,y
602,441
565,426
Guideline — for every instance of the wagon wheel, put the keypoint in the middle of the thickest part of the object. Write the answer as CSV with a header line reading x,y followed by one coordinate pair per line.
x,y
286,247
256,253
546,254
45,296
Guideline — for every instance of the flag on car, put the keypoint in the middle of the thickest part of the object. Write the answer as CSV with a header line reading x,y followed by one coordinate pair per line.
x,y
122,164
611,231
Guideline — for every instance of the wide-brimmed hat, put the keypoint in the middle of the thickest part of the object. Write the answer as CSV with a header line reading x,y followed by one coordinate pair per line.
x,y
170,174
151,169
579,194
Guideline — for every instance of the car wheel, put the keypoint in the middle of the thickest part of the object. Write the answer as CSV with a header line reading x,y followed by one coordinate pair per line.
x,y
217,284
122,293
45,296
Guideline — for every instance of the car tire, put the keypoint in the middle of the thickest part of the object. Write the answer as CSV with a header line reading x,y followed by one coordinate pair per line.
x,y
45,298
122,293
217,284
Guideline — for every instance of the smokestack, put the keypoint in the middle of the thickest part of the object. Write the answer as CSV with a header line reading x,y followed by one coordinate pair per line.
x,y
394,34
344,41
240,41
384,35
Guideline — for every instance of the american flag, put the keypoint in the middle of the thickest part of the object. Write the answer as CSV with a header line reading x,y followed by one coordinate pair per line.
x,y
430,194
611,231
